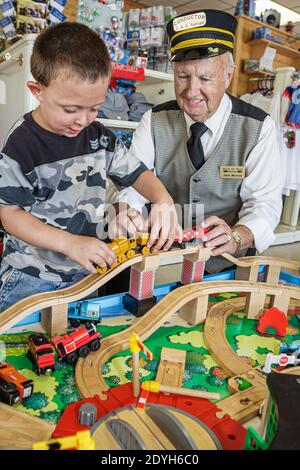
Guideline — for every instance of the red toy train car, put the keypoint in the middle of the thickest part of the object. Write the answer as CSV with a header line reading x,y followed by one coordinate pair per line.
x,y
41,353
14,387
191,235
78,343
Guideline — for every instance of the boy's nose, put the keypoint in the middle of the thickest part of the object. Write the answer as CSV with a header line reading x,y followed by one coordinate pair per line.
x,y
83,120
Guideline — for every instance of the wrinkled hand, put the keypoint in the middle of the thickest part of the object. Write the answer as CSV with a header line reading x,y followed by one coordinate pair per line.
x,y
125,220
88,252
163,224
219,238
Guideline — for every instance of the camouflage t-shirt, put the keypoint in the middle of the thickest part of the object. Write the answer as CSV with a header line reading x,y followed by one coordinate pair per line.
x,y
62,182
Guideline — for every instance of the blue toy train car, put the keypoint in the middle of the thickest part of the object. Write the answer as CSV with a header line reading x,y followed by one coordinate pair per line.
x,y
85,311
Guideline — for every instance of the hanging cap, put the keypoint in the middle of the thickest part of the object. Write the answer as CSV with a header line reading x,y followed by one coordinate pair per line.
x,y
201,34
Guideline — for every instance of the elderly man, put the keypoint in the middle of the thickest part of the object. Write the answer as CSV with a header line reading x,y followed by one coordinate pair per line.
x,y
210,148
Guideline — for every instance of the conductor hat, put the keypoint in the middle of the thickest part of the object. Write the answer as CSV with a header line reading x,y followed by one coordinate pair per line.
x,y
200,34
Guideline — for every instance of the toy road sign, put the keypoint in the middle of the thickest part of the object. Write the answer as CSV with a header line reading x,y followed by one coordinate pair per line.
x,y
283,360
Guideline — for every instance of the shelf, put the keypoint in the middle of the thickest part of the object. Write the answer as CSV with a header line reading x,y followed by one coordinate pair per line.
x,y
284,235
281,48
261,73
153,77
118,124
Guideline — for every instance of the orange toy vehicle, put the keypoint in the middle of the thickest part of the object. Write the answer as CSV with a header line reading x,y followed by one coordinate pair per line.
x,y
13,385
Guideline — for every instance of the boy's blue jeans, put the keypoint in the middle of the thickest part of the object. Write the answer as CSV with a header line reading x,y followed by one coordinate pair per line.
x,y
15,285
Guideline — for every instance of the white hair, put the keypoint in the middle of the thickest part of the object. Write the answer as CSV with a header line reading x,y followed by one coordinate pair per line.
x,y
230,64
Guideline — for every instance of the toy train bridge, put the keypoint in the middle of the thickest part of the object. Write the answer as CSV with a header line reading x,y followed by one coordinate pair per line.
x,y
54,305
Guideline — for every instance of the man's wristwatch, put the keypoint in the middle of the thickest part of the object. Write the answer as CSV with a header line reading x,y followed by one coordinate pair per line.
x,y
238,240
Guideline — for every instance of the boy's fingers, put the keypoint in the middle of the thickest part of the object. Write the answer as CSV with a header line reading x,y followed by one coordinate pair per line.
x,y
138,221
91,268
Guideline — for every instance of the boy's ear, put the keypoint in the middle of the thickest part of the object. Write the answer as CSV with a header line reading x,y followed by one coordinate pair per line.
x,y
35,88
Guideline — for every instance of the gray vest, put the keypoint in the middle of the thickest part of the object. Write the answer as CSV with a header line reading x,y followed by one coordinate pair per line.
x,y
205,187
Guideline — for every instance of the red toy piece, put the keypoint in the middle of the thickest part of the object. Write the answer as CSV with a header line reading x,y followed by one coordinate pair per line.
x,y
41,353
78,343
275,319
230,433
190,236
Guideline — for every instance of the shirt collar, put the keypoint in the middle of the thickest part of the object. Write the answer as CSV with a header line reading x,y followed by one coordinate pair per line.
x,y
214,122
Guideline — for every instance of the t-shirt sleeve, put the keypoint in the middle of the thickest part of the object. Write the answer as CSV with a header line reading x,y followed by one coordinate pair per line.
x,y
122,167
15,188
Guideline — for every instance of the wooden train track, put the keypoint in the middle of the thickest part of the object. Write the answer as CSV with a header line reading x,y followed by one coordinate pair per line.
x,y
19,430
248,261
88,375
90,283
86,286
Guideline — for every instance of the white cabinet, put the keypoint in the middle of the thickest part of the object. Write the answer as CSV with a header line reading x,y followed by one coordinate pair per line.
x,y
15,98
157,87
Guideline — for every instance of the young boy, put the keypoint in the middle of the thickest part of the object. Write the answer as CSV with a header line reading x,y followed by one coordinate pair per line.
x,y
53,169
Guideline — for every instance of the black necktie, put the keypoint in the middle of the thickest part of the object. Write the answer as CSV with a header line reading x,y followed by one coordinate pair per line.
x,y
194,144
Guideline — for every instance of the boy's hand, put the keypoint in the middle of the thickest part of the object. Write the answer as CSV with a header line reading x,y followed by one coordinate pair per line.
x,y
88,252
163,225
124,220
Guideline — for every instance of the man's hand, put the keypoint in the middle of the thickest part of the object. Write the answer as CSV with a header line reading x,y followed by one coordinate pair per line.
x,y
220,239
88,252
163,224
124,220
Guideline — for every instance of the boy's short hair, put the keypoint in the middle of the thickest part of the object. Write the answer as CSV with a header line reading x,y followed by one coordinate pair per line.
x,y
72,49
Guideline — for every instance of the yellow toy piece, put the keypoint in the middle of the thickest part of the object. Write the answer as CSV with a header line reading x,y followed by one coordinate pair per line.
x,y
81,441
126,248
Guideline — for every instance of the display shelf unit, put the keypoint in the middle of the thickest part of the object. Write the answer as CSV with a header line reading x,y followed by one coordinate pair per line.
x,y
284,234
282,49
118,124
157,88
260,73
246,48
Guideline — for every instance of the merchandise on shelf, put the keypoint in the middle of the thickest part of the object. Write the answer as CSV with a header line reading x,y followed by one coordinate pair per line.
x,y
245,7
266,33
251,65
146,37
8,20
105,18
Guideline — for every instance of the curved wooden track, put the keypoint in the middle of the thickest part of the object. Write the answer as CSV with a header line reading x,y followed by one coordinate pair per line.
x,y
86,286
20,430
90,283
248,261
215,337
88,371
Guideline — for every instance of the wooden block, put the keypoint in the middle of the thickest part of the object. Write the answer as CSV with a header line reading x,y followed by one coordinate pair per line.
x,y
171,367
195,311
281,302
264,417
203,254
254,305
272,274
170,373
148,263
174,355
54,319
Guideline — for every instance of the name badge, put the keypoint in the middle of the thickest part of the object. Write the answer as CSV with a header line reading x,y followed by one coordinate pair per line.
x,y
236,172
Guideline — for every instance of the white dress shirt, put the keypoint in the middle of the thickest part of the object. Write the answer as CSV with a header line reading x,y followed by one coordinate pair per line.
x,y
261,189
